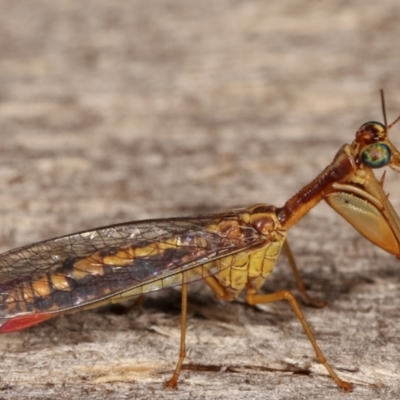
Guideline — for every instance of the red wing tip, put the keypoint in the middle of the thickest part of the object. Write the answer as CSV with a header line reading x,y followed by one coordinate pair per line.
x,y
23,321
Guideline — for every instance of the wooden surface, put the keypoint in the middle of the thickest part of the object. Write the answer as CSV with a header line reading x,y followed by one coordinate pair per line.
x,y
122,110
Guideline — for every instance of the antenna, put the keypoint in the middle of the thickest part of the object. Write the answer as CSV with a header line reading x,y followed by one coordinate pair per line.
x,y
384,113
384,109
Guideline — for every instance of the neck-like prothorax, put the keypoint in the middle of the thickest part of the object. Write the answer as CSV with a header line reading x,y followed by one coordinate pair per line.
x,y
297,206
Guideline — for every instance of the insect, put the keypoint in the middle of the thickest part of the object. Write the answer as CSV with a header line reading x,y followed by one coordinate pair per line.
x,y
231,252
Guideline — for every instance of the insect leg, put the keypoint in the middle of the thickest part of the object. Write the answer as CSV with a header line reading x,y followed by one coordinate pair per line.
x,y
172,382
299,282
255,298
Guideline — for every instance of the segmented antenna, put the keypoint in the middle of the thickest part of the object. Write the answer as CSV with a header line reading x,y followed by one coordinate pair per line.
x,y
383,108
388,127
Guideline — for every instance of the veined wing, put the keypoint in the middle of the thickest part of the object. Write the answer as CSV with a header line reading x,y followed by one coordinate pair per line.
x,y
42,280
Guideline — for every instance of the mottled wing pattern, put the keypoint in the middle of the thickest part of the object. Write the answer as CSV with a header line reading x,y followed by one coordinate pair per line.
x,y
76,270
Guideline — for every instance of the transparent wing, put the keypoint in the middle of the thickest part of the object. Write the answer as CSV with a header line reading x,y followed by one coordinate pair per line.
x,y
96,266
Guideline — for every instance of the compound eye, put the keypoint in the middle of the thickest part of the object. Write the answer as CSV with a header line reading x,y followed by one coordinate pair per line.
x,y
371,128
376,155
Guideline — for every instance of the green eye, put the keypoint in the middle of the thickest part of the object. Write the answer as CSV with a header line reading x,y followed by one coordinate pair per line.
x,y
373,126
376,155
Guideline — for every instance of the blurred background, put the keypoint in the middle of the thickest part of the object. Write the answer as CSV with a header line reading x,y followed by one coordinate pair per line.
x,y
113,111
